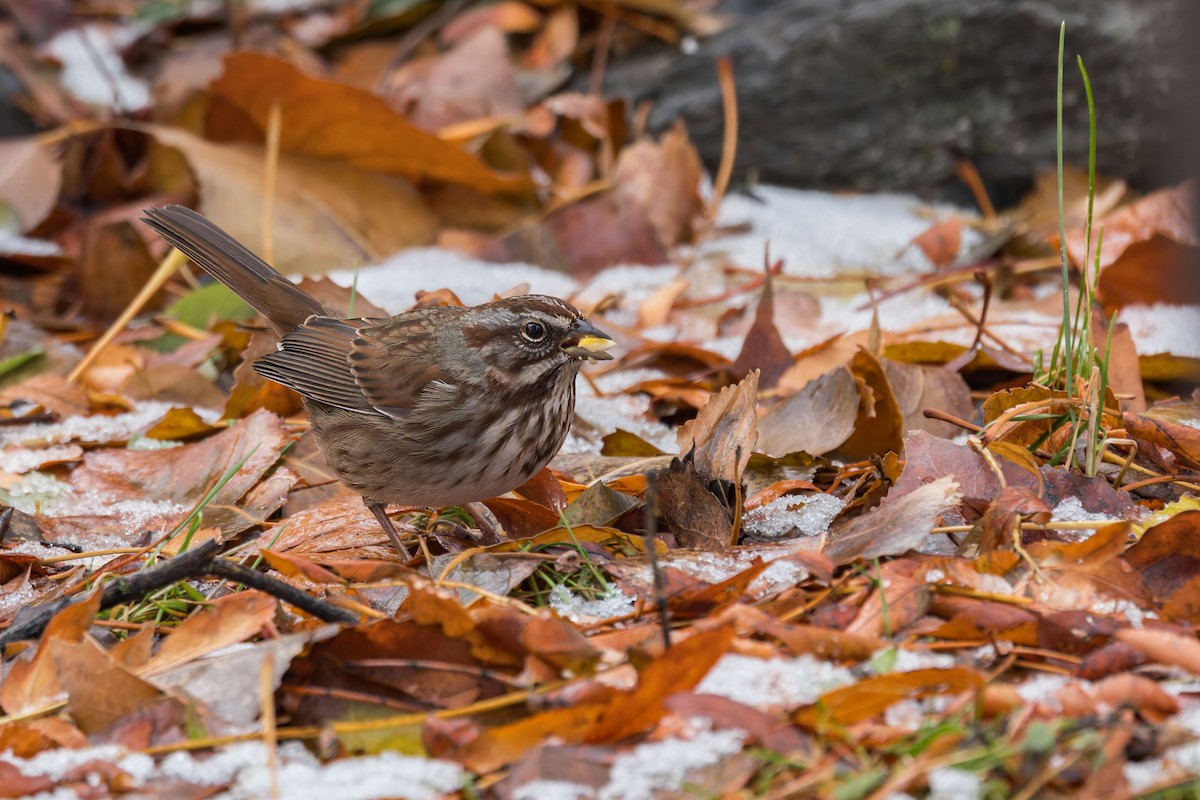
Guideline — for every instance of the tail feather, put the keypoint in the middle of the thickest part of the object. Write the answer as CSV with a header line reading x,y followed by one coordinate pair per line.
x,y
283,303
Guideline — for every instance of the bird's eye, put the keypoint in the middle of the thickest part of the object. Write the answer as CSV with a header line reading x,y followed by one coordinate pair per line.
x,y
533,331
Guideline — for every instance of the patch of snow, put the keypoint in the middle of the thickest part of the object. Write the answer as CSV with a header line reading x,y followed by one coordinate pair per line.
x,y
300,776
631,285
554,790
93,69
1108,606
1043,689
365,778
15,245
18,460
578,609
98,428
808,515
775,682
819,234
664,766
139,442
12,601
1071,510
909,660
596,417
715,567
951,783
1144,774
1162,328
393,283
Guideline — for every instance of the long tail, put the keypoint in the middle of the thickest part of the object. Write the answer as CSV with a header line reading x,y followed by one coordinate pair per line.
x,y
258,283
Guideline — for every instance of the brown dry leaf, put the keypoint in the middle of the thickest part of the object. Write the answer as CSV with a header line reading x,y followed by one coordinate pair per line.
x,y
584,237
879,427
896,526
1139,692
941,242
724,433
101,692
1182,440
1124,367
918,387
53,393
1013,505
328,214
832,353
679,669
867,698
429,605
1164,646
815,420
697,518
1168,554
180,424
764,349
1167,213
928,458
1155,270
222,623
508,16
113,268
179,475
497,747
30,180
1038,211
664,179
1100,548
598,505
474,79
902,602
33,684
522,518
348,125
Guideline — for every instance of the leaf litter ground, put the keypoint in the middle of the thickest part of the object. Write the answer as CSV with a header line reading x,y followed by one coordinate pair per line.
x,y
861,599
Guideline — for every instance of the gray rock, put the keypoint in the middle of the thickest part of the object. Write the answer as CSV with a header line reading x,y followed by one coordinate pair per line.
x,y
888,94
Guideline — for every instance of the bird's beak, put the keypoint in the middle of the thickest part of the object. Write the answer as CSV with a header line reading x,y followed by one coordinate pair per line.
x,y
589,342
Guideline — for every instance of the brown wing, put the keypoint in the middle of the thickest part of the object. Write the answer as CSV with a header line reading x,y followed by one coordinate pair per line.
x,y
394,361
313,360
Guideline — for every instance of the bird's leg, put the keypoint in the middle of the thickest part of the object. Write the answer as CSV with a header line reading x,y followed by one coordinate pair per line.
x,y
380,512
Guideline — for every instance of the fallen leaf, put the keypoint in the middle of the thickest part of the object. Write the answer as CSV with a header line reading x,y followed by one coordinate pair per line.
x,y
33,684
327,215
1164,646
222,623
879,427
941,242
764,349
348,125
870,697
816,420
896,526
30,180
724,433
664,179
696,517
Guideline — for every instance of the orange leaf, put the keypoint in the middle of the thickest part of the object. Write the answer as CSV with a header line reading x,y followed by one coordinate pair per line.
x,y
1164,646
867,698
227,621
343,123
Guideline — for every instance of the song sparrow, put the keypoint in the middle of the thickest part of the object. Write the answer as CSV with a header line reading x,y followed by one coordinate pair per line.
x,y
433,407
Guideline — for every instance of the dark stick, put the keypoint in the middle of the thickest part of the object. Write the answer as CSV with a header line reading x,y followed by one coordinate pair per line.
x,y
230,570
195,563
